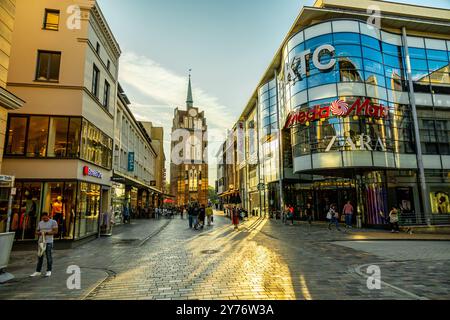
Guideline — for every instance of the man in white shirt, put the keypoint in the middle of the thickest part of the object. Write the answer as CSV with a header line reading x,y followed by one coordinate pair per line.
x,y
47,228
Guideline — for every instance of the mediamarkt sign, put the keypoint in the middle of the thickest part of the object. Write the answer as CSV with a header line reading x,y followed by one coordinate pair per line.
x,y
337,108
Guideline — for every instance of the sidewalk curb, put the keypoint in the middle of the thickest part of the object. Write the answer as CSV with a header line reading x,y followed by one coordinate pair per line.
x,y
144,241
358,271
110,274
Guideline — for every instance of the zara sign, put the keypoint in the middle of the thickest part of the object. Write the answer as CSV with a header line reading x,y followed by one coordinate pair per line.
x,y
297,68
362,142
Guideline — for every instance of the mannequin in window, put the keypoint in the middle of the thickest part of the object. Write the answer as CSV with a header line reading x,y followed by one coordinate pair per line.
x,y
442,205
30,214
57,212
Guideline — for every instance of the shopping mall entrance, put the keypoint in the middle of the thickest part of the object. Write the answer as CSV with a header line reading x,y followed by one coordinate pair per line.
x,y
372,194
333,192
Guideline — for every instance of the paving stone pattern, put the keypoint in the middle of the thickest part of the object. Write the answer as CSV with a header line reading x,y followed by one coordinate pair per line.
x,y
263,260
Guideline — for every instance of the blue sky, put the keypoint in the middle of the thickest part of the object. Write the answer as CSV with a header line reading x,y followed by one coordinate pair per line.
x,y
227,43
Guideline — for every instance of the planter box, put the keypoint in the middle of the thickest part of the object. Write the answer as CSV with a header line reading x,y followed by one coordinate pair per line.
x,y
6,243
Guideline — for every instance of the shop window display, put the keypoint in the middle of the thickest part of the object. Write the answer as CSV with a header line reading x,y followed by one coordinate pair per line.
x,y
16,132
26,210
57,138
40,137
4,198
37,137
440,201
96,146
88,210
59,202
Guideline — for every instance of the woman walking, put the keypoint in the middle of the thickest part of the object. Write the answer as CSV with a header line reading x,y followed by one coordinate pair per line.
x,y
209,214
393,219
309,213
333,216
235,218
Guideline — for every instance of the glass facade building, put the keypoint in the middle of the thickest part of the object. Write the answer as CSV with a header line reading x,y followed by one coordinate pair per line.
x,y
352,112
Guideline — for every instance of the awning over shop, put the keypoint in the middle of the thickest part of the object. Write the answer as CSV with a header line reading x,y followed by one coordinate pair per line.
x,y
129,181
231,197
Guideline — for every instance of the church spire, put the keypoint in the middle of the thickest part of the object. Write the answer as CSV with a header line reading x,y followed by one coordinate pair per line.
x,y
190,100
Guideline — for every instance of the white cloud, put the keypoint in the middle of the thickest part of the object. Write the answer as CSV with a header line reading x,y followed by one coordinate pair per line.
x,y
169,90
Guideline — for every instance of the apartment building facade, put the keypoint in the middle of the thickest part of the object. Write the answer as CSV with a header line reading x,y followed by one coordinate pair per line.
x,y
60,144
134,164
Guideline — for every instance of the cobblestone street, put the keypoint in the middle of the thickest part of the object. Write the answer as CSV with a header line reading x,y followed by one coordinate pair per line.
x,y
265,259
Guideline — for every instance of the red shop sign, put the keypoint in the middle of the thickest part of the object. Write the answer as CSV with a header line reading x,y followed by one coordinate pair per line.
x,y
337,108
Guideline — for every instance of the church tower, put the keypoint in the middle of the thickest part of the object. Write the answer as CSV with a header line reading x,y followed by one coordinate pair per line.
x,y
189,162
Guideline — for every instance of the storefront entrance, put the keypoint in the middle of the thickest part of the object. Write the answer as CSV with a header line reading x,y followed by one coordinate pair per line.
x,y
333,192
372,194
74,205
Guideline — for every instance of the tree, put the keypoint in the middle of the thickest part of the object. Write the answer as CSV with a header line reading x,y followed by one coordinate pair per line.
x,y
212,195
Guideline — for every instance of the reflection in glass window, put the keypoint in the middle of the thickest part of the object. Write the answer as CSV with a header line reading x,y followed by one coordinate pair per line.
x,y
88,209
318,41
437,55
96,146
371,42
369,53
395,73
321,79
373,66
418,53
73,141
392,61
57,137
418,75
298,86
346,38
391,49
440,66
297,50
48,66
348,50
16,136
350,63
375,79
419,64
350,75
440,77
37,137
265,113
51,19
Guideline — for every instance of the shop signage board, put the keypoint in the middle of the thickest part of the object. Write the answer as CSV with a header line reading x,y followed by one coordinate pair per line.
x,y
240,143
89,172
296,69
337,108
130,161
361,142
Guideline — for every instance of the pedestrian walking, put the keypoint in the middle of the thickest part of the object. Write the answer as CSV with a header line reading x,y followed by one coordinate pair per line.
x,y
183,212
126,214
209,215
393,219
333,216
235,218
47,228
191,216
285,214
291,214
348,213
195,214
202,216
309,213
